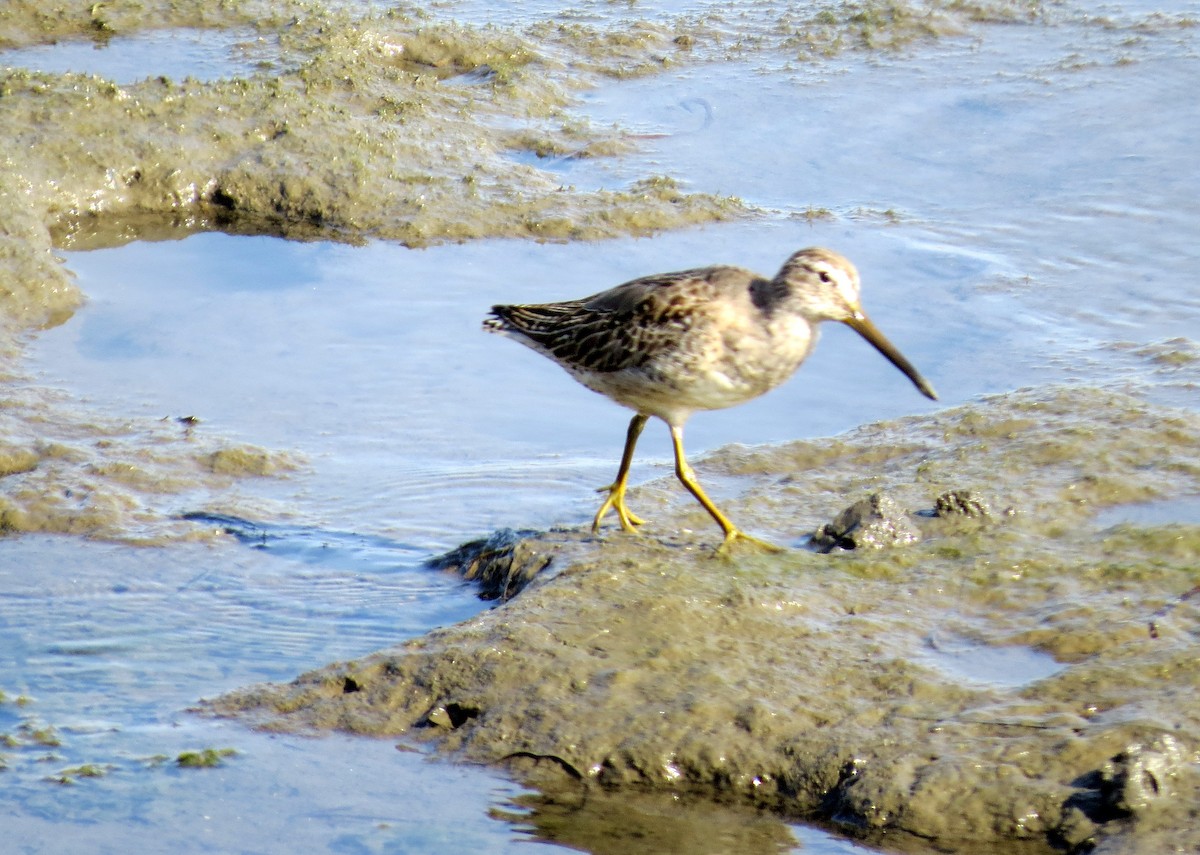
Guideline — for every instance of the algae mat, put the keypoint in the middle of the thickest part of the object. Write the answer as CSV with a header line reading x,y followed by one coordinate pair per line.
x,y
804,683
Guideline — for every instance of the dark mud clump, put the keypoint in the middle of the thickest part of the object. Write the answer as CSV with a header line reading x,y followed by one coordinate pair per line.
x,y
876,522
502,564
800,683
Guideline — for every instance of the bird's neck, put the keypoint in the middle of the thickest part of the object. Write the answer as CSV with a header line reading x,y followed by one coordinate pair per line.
x,y
767,294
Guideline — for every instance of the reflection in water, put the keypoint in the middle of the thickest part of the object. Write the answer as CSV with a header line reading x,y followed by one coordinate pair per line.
x,y
612,824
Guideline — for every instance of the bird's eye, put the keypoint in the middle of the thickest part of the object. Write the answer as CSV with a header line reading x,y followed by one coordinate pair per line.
x,y
825,277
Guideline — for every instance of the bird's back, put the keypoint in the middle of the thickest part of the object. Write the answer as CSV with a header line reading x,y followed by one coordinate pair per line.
x,y
624,327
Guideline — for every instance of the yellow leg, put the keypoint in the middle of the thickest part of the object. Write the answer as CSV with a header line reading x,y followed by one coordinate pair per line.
x,y
616,490
687,477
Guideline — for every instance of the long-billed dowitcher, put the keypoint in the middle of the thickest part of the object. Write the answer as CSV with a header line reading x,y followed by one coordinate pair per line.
x,y
704,339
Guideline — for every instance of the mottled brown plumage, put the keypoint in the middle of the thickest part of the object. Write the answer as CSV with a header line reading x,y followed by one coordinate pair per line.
x,y
701,339
618,329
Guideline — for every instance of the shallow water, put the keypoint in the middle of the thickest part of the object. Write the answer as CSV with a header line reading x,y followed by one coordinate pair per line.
x,y
1185,509
105,646
1022,207
200,54
370,362
979,664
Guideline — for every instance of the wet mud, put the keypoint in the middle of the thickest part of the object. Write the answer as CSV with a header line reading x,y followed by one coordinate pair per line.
x,y
387,126
801,684
364,124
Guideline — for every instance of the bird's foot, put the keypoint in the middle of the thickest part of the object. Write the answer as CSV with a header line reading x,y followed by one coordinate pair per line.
x,y
616,502
734,537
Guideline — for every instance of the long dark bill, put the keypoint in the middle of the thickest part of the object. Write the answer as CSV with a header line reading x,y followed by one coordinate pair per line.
x,y
862,325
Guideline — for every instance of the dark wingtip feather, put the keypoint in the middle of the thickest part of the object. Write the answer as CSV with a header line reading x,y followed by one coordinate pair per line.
x,y
494,322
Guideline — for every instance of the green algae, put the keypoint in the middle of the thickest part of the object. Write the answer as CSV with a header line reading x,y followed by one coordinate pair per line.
x,y
87,770
38,734
205,758
795,684
32,735
243,461
24,22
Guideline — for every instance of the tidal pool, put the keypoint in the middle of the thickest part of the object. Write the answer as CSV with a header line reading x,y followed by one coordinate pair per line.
x,y
1018,196
199,54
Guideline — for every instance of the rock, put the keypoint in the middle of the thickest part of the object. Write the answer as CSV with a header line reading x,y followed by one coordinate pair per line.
x,y
502,563
876,522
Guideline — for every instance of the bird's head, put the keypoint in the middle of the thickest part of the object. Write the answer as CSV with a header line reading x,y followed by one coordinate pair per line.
x,y
822,285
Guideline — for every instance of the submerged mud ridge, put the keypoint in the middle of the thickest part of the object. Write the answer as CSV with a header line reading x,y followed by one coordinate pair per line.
x,y
809,684
63,470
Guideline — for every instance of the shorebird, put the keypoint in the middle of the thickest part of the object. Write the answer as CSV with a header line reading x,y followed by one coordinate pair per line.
x,y
704,339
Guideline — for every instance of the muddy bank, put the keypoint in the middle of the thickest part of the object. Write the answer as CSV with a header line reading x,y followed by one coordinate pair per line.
x,y
359,126
362,124
813,685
